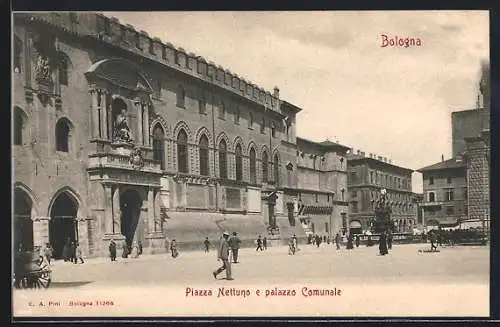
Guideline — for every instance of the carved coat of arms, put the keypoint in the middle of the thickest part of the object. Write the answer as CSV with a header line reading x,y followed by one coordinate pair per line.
x,y
136,158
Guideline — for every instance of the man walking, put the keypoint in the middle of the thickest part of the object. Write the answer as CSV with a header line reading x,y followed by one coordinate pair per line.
x,y
259,244
112,250
223,255
234,243
207,244
337,241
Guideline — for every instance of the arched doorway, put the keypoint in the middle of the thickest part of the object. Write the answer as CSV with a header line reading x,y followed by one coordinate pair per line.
x,y
130,205
63,224
23,225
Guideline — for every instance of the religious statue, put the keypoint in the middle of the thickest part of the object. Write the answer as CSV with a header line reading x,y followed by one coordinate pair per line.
x,y
121,129
43,68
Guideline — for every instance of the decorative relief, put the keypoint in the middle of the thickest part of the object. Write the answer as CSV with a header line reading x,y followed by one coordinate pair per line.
x,y
137,158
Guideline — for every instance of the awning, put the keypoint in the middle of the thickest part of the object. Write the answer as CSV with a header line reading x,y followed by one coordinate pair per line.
x,y
354,224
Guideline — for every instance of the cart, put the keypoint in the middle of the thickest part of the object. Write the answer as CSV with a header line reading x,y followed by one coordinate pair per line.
x,y
31,270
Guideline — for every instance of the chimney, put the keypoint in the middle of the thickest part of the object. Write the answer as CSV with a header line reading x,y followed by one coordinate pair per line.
x,y
276,92
362,154
442,158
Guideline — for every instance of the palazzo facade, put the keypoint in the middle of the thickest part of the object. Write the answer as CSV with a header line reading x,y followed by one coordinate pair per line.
x,y
117,135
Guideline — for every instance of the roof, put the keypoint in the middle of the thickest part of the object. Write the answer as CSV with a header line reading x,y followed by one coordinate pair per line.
x,y
447,164
354,157
325,144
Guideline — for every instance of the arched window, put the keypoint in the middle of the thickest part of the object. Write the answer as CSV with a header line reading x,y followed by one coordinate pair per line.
x,y
203,148
62,135
239,163
64,64
276,166
159,145
181,97
237,114
18,126
18,46
253,166
263,125
182,153
250,120
202,104
273,129
265,170
223,159
222,110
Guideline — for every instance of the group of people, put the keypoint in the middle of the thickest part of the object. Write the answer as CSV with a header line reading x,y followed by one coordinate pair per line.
x,y
228,245
134,250
338,240
261,243
72,251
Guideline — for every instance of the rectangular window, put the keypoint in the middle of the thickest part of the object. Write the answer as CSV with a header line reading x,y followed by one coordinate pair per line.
x,y
202,106
354,206
372,181
431,180
250,120
450,210
263,126
432,197
326,227
237,115
449,195
448,180
353,176
354,194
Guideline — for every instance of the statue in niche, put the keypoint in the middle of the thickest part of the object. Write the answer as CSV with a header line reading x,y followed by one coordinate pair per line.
x,y
121,129
43,68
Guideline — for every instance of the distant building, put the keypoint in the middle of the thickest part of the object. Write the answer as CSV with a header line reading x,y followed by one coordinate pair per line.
x,y
367,175
322,186
445,193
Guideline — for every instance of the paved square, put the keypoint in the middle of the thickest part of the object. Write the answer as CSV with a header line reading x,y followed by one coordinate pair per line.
x,y
405,278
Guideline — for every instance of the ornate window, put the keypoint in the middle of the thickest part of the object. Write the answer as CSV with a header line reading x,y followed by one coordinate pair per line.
x,y
203,149
276,166
18,126
159,145
223,159
64,64
181,97
239,163
182,152
265,171
62,135
253,166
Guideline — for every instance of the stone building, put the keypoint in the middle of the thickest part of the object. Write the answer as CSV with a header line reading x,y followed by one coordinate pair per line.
x,y
366,176
478,154
117,135
322,186
445,193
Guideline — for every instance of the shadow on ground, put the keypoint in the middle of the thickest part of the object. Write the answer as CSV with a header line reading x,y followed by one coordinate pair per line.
x,y
68,284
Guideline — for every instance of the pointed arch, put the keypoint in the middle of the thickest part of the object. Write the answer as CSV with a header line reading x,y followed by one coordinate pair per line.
x,y
19,123
158,119
222,148
249,146
203,131
238,140
72,194
184,126
65,66
223,136
63,132
182,140
252,154
159,144
263,149
20,186
238,153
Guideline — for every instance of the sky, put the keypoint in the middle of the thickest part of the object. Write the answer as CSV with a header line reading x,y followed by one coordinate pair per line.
x,y
395,102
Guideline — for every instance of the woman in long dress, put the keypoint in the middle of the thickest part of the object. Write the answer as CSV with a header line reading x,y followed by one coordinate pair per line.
x,y
382,245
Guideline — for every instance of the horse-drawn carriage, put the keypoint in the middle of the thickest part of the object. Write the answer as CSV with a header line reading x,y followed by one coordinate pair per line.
x,y
31,270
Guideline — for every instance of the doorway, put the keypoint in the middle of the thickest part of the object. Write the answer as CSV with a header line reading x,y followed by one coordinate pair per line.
x,y
62,226
23,225
130,205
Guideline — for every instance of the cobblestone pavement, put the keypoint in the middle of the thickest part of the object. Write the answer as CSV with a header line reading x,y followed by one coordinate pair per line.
x,y
403,264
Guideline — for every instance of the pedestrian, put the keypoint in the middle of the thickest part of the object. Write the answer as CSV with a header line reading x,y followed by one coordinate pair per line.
x,y
173,249
135,250
124,250
79,253
309,239
259,244
67,250
324,238
207,244
295,243
369,241
357,240
291,246
318,240
432,236
264,243
350,244
389,240
337,241
47,252
112,250
73,252
234,244
223,255
382,245
140,247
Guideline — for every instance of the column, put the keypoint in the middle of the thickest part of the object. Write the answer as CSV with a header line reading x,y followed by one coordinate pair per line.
x,y
108,209
138,107
157,211
151,211
83,235
109,115
104,111
145,128
40,230
94,114
116,228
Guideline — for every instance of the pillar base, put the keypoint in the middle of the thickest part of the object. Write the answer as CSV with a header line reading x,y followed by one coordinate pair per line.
x,y
156,242
115,237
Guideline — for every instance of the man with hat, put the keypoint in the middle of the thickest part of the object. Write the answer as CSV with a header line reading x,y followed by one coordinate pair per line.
x,y
234,243
223,254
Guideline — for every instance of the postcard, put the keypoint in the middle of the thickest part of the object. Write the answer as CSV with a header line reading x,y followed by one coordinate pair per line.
x,y
266,164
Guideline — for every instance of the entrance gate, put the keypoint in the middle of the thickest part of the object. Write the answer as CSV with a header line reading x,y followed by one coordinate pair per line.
x,y
63,227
